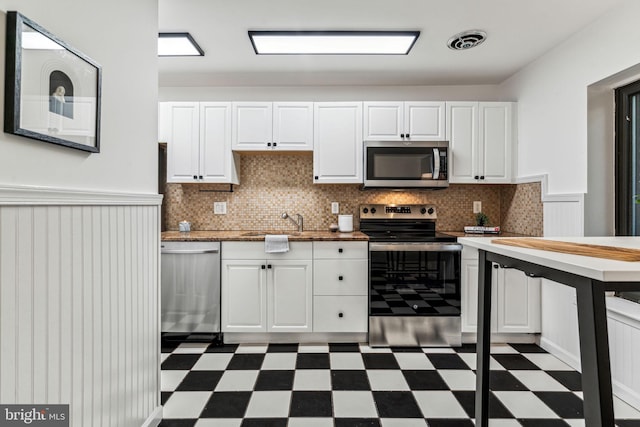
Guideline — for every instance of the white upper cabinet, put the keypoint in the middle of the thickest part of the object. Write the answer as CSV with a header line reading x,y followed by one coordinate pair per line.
x,y
480,138
337,150
285,126
404,121
198,137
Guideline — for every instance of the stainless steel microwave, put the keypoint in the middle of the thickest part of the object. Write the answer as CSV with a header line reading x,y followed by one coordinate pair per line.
x,y
406,164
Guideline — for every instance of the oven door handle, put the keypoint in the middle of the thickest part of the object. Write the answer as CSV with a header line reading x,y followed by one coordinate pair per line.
x,y
415,247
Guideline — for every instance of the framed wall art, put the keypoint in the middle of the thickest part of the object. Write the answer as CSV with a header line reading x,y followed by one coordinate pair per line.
x,y
52,91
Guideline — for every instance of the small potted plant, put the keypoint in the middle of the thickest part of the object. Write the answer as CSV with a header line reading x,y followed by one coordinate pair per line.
x,y
482,220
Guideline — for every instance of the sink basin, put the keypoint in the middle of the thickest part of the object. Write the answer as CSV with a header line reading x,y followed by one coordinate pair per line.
x,y
262,233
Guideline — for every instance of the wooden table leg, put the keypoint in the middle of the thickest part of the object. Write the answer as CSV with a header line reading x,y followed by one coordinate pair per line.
x,y
594,355
483,345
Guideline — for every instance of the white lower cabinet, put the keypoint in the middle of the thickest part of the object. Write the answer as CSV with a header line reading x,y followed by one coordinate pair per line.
x,y
515,298
340,284
266,292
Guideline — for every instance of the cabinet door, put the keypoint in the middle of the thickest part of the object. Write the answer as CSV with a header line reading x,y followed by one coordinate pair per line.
x,y
495,140
252,126
289,296
216,157
182,134
518,299
462,131
337,150
469,296
243,296
293,126
383,121
424,121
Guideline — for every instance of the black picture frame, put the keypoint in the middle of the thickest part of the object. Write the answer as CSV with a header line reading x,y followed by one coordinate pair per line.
x,y
52,90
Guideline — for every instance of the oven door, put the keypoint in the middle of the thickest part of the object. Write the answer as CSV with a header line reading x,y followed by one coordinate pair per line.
x,y
414,279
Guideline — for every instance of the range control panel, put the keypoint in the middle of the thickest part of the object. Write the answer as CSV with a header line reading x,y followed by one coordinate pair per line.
x,y
397,212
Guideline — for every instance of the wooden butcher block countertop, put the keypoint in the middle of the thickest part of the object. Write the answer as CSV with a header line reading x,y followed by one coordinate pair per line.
x,y
584,249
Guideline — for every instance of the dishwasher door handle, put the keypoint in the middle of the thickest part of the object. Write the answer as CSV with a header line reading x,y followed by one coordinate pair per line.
x,y
193,251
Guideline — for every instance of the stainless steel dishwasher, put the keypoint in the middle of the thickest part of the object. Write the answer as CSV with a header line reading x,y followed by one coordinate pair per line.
x,y
190,278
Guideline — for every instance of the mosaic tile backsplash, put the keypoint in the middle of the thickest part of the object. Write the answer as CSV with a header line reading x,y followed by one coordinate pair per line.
x,y
271,184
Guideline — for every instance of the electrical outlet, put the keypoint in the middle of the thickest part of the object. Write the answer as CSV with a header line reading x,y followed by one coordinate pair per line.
x,y
335,207
477,207
220,208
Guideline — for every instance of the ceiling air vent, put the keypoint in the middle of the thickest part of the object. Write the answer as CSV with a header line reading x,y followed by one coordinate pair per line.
x,y
466,40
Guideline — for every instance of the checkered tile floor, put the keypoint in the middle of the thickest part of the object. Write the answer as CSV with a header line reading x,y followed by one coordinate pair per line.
x,y
354,385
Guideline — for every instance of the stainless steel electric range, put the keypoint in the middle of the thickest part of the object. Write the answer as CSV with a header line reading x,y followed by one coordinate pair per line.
x,y
414,277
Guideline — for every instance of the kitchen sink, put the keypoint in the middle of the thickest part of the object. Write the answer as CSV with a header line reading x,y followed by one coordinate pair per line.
x,y
262,233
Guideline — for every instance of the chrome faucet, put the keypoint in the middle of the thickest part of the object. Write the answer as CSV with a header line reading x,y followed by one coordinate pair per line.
x,y
298,223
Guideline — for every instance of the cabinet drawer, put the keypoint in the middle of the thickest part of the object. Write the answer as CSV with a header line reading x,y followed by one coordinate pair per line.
x,y
327,311
323,250
255,250
340,277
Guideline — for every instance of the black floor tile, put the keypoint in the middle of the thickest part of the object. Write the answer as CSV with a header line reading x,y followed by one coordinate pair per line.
x,y
515,362
311,404
447,361
167,346
180,362
466,348
425,380
396,404
344,348
246,361
350,380
449,422
566,404
313,361
505,381
164,396
407,350
570,379
379,361
628,423
264,422
178,423
282,348
356,422
528,348
200,381
532,422
228,404
274,380
226,348
468,401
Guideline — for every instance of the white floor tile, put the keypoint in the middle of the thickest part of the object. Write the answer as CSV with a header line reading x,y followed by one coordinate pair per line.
x,y
164,356
312,379
438,350
623,410
252,348
575,423
439,404
403,422
185,404
313,348
169,380
191,347
387,379
364,348
346,361
538,381
213,362
494,422
237,381
310,422
413,361
547,362
458,379
502,349
219,422
280,361
271,404
524,404
471,361
354,404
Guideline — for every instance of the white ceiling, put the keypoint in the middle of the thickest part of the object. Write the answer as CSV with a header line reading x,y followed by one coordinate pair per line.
x,y
518,31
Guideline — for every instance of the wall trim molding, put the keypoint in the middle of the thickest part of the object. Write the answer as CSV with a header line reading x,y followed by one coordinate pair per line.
x,y
562,354
48,196
154,418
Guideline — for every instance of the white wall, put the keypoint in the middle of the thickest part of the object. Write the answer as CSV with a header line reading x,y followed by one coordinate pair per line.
x,y
79,233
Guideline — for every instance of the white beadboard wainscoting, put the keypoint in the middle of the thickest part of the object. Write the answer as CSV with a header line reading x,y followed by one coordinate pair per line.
x,y
79,304
624,342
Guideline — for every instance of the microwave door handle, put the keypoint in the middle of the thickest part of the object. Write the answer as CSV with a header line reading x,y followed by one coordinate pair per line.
x,y
436,163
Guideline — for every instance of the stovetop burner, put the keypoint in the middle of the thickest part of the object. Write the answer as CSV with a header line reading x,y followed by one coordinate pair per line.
x,y
401,223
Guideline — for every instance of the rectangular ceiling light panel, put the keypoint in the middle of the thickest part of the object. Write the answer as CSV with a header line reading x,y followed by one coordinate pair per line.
x,y
333,42
178,44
